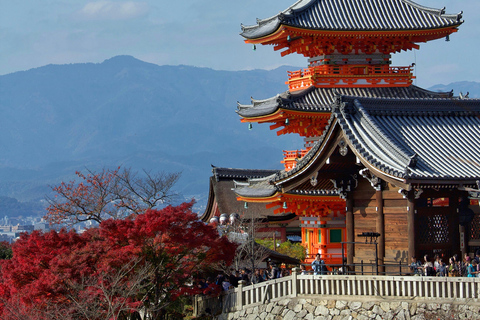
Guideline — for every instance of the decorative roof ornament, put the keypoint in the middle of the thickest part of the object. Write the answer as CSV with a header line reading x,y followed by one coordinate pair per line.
x,y
413,160
375,182
313,179
343,149
462,96
403,192
417,193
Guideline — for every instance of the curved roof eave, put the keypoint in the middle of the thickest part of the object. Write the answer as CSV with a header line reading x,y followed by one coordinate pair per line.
x,y
268,26
414,140
249,192
262,107
319,100
390,16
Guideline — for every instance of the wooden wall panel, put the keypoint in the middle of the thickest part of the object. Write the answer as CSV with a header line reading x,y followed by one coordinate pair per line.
x,y
396,235
364,194
364,210
392,195
395,210
395,203
395,220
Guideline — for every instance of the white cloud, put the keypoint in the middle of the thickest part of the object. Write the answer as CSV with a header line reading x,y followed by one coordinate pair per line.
x,y
109,10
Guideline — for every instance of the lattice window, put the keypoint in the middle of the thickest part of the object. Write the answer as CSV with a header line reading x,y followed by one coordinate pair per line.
x,y
433,229
475,228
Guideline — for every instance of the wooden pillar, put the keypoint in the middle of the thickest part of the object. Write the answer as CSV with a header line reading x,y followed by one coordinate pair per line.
x,y
463,240
411,226
380,226
350,226
322,231
455,227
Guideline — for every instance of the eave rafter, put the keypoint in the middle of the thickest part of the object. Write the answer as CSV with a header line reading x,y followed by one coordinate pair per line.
x,y
311,43
311,206
306,124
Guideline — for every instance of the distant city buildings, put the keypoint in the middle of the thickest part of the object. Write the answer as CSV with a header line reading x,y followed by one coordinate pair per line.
x,y
12,227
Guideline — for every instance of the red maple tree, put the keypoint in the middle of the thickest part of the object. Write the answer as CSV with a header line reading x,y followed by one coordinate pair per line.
x,y
111,271
108,193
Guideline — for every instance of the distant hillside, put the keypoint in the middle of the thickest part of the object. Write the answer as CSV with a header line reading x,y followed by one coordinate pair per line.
x,y
61,118
464,87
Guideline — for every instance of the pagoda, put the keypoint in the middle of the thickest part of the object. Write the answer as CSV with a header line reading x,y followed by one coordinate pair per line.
x,y
359,173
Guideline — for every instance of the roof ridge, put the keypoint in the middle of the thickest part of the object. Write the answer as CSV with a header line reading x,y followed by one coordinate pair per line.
x,y
304,14
403,155
440,12
407,106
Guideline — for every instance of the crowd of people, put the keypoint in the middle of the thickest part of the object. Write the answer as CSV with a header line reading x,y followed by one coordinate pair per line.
x,y
226,282
466,267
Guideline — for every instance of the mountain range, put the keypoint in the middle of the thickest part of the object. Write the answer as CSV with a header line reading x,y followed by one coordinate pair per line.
x,y
58,119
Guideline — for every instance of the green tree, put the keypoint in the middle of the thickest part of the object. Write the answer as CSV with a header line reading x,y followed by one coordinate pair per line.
x,y
5,250
294,250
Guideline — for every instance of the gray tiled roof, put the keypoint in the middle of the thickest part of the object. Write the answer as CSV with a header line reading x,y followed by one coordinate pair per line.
x,y
241,174
257,188
222,182
354,15
320,99
415,139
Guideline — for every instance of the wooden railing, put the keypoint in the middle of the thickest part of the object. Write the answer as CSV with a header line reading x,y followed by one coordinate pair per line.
x,y
347,75
290,158
407,287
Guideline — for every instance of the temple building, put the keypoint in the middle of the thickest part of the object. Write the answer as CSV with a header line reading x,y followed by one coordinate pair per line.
x,y
381,155
223,206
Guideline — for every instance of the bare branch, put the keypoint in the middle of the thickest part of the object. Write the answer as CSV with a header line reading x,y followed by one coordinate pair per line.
x,y
109,194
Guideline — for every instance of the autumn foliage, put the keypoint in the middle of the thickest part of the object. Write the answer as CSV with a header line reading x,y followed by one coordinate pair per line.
x,y
112,271
109,193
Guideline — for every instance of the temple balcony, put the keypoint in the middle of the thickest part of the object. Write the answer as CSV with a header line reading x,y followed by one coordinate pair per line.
x,y
290,158
362,76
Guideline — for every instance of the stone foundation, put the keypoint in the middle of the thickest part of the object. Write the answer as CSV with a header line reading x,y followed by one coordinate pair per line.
x,y
340,309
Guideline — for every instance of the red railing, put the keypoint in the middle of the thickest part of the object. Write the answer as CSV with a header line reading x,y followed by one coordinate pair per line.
x,y
347,75
290,158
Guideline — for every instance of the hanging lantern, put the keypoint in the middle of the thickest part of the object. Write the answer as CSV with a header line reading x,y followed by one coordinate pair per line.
x,y
254,48
214,220
223,218
287,122
284,205
250,126
245,205
234,218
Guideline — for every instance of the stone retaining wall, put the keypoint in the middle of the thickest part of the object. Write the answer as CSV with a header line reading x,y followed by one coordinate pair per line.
x,y
340,309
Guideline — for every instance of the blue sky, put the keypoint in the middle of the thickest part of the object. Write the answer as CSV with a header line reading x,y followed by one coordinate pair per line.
x,y
202,33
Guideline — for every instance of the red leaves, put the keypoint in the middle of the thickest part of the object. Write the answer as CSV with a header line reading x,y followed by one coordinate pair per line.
x,y
91,199
109,194
151,258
